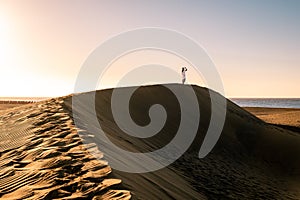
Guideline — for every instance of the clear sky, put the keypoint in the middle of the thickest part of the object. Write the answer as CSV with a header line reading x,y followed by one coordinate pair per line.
x,y
255,44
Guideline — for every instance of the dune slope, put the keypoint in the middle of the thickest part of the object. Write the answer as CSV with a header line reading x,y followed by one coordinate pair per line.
x,y
252,159
44,157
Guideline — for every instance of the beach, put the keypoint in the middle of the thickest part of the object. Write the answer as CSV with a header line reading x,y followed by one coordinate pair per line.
x,y
45,156
279,116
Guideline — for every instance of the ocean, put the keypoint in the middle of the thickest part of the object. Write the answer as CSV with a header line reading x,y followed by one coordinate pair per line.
x,y
268,102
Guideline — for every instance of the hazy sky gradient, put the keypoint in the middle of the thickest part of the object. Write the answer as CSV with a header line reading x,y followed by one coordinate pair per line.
x,y
254,44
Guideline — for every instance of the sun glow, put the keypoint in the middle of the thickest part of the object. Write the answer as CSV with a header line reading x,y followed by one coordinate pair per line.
x,y
43,44
3,23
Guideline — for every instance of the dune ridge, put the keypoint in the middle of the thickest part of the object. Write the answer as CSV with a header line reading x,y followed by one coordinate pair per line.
x,y
44,157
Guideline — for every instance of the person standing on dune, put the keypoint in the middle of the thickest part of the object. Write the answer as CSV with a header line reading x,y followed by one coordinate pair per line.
x,y
183,70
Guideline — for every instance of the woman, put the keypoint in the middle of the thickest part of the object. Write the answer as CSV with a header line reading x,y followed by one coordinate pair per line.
x,y
183,70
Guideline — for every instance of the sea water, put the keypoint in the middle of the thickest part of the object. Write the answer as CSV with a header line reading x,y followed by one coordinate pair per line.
x,y
268,102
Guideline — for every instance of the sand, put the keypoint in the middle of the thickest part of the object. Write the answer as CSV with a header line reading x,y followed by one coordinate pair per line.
x,y
279,116
4,105
43,157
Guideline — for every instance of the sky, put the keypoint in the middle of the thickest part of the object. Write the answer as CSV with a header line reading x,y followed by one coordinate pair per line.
x,y
254,45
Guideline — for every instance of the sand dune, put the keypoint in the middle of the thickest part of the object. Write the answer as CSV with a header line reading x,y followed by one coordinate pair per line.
x,y
43,157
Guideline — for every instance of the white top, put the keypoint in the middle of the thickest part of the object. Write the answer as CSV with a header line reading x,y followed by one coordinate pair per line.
x,y
183,73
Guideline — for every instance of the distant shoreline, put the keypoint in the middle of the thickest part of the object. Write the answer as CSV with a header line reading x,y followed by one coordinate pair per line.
x,y
16,102
9,103
23,99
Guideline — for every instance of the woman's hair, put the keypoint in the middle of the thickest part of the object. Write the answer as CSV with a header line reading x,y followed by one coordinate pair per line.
x,y
182,69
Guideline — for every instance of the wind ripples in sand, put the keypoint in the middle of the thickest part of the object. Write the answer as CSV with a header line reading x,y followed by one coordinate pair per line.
x,y
42,157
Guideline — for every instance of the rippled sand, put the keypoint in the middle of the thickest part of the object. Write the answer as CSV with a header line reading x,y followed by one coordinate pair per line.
x,y
42,157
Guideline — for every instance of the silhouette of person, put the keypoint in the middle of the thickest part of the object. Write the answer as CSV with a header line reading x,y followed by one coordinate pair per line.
x,y
183,70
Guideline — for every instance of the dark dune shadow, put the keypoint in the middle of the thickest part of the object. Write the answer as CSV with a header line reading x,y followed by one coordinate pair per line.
x,y
251,160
